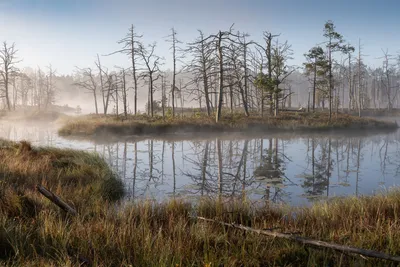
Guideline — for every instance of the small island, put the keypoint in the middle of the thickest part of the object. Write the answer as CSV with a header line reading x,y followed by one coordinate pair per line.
x,y
297,122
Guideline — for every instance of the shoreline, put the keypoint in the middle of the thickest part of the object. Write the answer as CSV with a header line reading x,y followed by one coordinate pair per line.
x,y
106,231
98,125
105,138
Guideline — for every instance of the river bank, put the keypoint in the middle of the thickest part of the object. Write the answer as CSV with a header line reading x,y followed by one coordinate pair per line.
x,y
33,231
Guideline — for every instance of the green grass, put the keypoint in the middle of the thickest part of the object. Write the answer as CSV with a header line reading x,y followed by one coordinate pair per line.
x,y
35,232
287,121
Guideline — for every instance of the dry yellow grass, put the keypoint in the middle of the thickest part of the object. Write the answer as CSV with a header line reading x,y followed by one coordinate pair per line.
x,y
34,232
286,121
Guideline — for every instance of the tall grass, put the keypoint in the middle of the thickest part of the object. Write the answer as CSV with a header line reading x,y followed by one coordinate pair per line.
x,y
149,234
34,232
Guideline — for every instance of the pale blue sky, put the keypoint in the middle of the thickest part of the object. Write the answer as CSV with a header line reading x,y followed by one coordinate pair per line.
x,y
70,33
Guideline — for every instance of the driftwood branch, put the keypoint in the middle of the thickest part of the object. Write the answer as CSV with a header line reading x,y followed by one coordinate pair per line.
x,y
56,200
307,241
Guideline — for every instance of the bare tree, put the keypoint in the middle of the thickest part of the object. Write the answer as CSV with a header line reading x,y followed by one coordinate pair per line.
x,y
104,92
15,90
244,93
49,96
359,77
221,73
114,91
41,88
200,66
388,72
8,60
25,86
238,65
131,47
89,84
163,94
175,57
121,80
349,50
152,63
222,42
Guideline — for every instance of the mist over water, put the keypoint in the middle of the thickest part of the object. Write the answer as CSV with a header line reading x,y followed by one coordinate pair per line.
x,y
287,170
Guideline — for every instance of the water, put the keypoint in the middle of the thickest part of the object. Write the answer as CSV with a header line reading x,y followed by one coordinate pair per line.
x,y
286,169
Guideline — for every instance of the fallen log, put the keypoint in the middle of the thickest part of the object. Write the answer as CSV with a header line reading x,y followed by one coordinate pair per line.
x,y
56,200
307,241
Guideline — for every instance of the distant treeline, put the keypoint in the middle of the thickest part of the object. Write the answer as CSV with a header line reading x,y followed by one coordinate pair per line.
x,y
225,70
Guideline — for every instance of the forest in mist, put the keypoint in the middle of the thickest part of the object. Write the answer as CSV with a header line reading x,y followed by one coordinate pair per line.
x,y
221,70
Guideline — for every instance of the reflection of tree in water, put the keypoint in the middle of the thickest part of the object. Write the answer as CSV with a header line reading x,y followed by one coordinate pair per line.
x,y
317,182
150,176
218,168
239,168
271,171
203,171
236,169
272,168
37,134
145,176
354,149
254,169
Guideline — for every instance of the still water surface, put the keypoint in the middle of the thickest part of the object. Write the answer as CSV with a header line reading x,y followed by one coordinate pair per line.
x,y
283,169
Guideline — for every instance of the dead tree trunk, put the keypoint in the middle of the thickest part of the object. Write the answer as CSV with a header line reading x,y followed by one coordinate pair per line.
x,y
174,71
124,93
359,78
56,200
221,77
245,94
307,241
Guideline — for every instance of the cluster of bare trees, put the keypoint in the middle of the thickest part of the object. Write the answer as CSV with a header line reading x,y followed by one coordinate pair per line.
x,y
239,73
229,71
221,70
225,71
18,88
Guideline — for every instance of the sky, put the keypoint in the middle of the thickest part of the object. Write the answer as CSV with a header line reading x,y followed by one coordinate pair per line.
x,y
69,33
